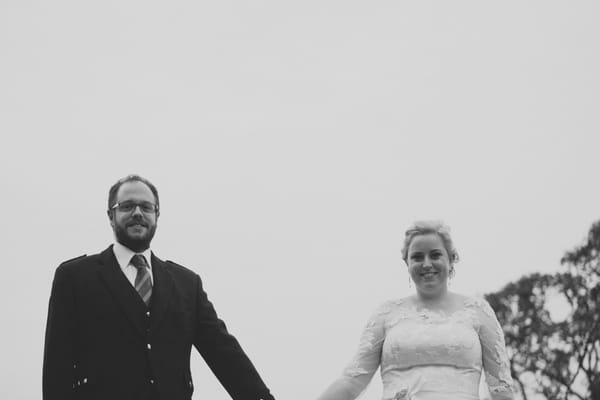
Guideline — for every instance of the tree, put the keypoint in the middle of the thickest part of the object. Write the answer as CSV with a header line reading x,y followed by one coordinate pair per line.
x,y
558,359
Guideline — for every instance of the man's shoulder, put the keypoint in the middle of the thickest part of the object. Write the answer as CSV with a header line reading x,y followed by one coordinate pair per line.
x,y
178,268
79,261
82,259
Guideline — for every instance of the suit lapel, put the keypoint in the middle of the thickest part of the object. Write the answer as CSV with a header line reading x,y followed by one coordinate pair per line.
x,y
161,290
122,291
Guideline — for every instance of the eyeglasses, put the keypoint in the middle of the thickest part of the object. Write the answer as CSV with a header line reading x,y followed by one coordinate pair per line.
x,y
129,206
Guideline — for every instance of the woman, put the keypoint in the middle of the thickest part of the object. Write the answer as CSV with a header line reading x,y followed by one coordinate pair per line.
x,y
434,344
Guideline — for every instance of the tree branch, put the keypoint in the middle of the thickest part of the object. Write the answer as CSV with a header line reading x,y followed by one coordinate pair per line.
x,y
559,379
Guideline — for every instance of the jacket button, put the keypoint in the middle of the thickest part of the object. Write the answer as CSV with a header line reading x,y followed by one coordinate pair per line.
x,y
148,346
152,381
84,380
148,314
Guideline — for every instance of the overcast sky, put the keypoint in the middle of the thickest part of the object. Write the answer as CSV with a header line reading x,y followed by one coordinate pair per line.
x,y
292,143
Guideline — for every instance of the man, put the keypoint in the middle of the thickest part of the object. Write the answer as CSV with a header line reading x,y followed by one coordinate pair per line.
x,y
121,323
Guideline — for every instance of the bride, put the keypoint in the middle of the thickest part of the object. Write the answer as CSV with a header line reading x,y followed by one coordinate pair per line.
x,y
434,344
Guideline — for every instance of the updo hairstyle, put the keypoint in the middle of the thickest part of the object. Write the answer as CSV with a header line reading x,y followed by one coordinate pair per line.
x,y
426,227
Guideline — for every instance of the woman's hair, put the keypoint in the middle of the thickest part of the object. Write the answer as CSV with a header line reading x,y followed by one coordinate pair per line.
x,y
428,227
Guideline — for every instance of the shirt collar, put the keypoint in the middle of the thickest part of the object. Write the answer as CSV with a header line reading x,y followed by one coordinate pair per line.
x,y
123,255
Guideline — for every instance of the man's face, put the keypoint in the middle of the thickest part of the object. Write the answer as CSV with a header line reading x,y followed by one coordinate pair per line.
x,y
134,227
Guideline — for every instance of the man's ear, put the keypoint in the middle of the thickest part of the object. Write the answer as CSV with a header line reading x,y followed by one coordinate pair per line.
x,y
110,218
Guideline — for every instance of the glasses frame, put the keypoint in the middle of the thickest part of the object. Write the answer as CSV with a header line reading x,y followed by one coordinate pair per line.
x,y
136,205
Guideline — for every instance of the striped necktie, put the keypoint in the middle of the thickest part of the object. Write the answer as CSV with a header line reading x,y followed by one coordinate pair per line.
x,y
143,283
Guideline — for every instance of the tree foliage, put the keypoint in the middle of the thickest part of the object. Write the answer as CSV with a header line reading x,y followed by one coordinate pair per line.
x,y
558,358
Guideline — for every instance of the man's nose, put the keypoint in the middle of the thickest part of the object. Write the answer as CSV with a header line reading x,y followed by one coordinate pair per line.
x,y
137,210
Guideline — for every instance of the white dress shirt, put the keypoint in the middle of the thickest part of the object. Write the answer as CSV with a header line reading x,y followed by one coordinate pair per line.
x,y
123,256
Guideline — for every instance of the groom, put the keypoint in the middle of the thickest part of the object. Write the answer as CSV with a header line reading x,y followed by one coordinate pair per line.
x,y
121,323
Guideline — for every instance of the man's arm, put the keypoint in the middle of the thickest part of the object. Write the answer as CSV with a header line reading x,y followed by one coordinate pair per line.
x,y
58,368
224,355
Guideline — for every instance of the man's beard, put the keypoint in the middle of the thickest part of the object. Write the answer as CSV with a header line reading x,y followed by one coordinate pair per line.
x,y
135,244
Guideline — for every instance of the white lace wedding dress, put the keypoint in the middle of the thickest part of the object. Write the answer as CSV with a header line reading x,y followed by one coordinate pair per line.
x,y
427,355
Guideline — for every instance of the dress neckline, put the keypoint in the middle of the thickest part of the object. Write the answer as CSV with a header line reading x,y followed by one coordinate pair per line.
x,y
407,309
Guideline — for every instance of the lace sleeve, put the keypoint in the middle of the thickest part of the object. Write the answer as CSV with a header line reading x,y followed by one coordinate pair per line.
x,y
495,360
359,372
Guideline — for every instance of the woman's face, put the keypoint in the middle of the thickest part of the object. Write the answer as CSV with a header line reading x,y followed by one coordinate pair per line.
x,y
428,264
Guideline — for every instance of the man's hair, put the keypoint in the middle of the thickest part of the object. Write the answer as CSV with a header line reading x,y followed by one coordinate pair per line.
x,y
112,193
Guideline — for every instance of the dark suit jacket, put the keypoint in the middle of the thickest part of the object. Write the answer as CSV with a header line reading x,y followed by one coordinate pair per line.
x,y
103,343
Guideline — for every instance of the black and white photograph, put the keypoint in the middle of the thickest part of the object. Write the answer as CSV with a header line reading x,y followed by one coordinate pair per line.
x,y
326,200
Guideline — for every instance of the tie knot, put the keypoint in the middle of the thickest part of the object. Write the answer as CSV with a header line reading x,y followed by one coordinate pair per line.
x,y
139,261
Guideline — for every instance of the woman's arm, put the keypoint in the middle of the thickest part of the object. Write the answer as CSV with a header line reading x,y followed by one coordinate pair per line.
x,y
359,372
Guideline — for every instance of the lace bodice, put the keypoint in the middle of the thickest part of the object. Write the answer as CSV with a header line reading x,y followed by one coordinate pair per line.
x,y
427,355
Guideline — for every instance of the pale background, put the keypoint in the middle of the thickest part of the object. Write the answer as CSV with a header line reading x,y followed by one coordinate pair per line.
x,y
292,144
